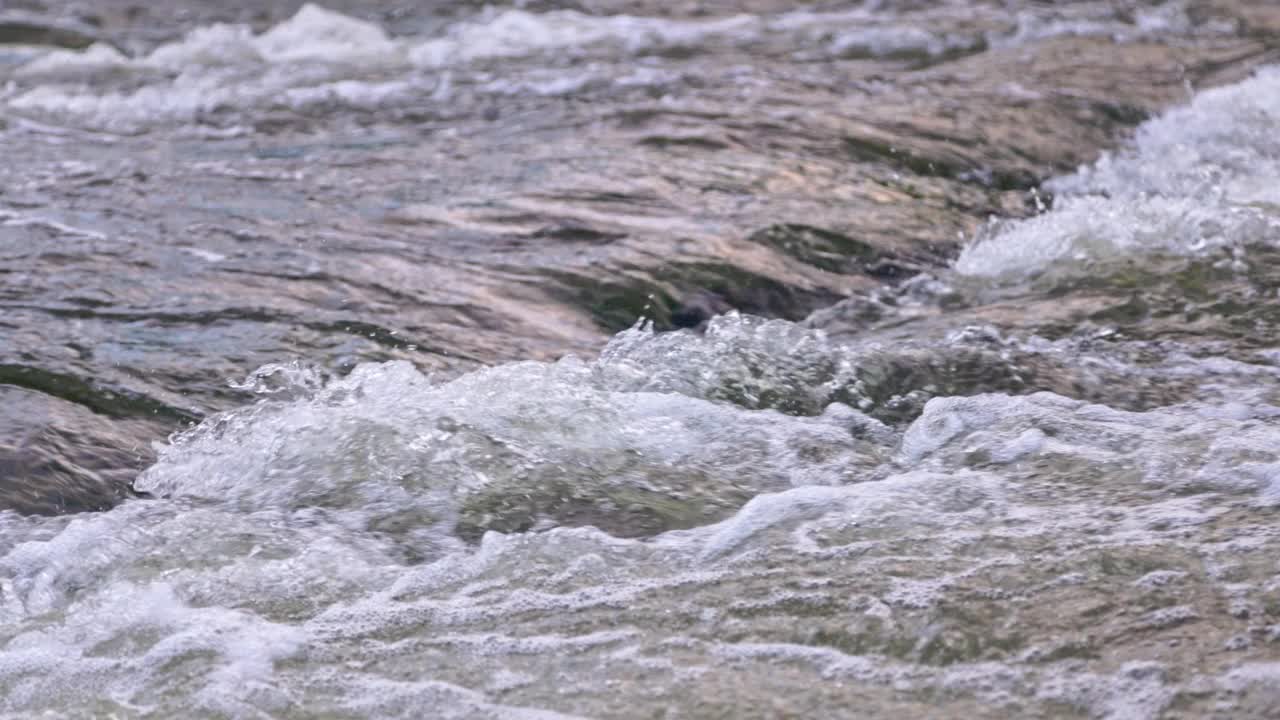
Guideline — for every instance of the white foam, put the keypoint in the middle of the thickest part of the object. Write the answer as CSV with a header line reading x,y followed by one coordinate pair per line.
x,y
318,35
1196,180
1157,20
1085,231
243,649
1137,692
295,514
517,33
95,61
304,550
1222,145
322,56
317,56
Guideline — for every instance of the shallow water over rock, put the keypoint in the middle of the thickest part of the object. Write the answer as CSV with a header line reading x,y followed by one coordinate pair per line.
x,y
708,359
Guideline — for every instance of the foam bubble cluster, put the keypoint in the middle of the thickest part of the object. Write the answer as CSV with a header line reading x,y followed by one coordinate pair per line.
x,y
932,515
1197,180
323,59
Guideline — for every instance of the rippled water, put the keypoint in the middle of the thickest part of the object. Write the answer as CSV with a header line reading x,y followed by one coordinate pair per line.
x,y
1009,447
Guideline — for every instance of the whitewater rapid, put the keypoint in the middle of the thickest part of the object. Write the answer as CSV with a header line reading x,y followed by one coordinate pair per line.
x,y
320,59
893,506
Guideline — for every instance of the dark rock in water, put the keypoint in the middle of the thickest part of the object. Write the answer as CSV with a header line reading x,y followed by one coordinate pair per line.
x,y
23,29
821,248
697,308
39,481
58,457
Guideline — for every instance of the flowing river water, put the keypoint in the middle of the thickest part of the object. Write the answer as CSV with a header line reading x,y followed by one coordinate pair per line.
x,y
640,360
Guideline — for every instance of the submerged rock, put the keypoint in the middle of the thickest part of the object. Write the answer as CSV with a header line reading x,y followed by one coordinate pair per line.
x,y
24,29
1039,482
57,457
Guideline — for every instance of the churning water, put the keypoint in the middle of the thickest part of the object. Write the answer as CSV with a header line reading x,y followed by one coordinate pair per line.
x,y
1042,481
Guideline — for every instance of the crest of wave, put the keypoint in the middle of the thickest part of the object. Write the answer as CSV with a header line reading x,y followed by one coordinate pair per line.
x,y
316,57
1222,146
640,442
321,58
1197,179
